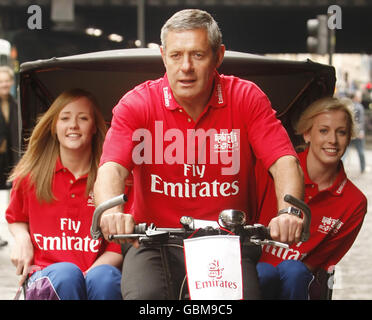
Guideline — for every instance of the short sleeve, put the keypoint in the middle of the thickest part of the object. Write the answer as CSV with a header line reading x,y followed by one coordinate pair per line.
x,y
17,210
268,137
129,115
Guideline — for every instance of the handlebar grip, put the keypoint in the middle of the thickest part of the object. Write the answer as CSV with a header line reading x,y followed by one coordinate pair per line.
x,y
140,228
307,215
95,230
266,233
256,231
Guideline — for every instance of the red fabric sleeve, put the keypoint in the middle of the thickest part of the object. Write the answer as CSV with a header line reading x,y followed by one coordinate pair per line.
x,y
128,115
331,251
17,210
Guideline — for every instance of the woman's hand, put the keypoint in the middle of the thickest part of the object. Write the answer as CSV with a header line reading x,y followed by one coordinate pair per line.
x,y
22,253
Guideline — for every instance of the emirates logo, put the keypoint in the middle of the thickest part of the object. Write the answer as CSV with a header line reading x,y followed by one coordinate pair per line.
x,y
215,278
214,270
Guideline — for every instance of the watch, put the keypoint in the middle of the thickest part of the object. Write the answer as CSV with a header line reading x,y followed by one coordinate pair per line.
x,y
291,210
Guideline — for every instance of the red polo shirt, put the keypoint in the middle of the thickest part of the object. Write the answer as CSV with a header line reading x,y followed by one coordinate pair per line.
x,y
195,168
337,216
60,230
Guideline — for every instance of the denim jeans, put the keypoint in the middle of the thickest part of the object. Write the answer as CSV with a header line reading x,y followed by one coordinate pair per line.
x,y
65,281
289,280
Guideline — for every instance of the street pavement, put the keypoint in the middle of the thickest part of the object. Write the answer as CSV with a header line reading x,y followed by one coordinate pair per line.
x,y
353,277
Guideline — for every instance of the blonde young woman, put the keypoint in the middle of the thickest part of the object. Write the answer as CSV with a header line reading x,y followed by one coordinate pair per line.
x,y
51,206
338,207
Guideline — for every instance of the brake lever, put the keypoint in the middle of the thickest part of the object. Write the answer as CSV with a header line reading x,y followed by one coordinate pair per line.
x,y
124,236
149,233
270,243
262,238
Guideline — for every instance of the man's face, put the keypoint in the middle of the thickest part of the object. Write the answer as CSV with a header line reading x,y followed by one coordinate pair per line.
x,y
190,65
6,83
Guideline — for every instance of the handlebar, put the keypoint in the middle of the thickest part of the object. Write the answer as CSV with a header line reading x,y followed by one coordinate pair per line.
x,y
232,220
95,230
150,235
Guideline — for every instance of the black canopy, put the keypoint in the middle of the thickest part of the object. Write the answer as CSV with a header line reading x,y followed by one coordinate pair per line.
x,y
290,85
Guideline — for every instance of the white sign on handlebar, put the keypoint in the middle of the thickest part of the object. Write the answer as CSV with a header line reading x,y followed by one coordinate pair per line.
x,y
214,270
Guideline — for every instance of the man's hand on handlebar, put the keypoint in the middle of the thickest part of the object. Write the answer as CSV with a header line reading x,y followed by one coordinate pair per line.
x,y
117,223
108,220
286,228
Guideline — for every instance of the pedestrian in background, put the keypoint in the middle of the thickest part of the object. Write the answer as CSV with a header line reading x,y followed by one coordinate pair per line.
x,y
359,141
9,142
9,137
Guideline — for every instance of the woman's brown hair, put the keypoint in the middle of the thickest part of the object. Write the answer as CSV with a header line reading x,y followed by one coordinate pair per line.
x,y
40,158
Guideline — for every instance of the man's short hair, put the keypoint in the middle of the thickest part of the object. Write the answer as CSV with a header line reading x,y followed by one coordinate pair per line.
x,y
190,19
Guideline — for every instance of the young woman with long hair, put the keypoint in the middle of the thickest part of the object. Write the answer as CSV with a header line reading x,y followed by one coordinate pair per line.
x,y
51,206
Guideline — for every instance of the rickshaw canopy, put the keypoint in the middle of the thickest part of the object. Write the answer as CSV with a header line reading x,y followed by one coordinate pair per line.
x,y
290,85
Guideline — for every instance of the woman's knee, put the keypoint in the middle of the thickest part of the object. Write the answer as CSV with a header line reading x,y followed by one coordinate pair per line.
x,y
103,283
65,271
269,280
294,269
67,279
295,278
267,273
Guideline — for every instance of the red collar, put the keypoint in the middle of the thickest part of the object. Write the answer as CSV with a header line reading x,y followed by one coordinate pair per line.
x,y
61,167
217,99
338,186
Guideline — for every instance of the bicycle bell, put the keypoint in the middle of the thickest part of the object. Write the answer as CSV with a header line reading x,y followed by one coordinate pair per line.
x,y
231,219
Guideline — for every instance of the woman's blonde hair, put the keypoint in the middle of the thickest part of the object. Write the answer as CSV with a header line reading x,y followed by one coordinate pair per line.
x,y
40,158
7,70
323,105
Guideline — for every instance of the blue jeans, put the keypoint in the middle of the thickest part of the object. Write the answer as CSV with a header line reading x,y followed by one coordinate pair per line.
x,y
65,281
289,280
